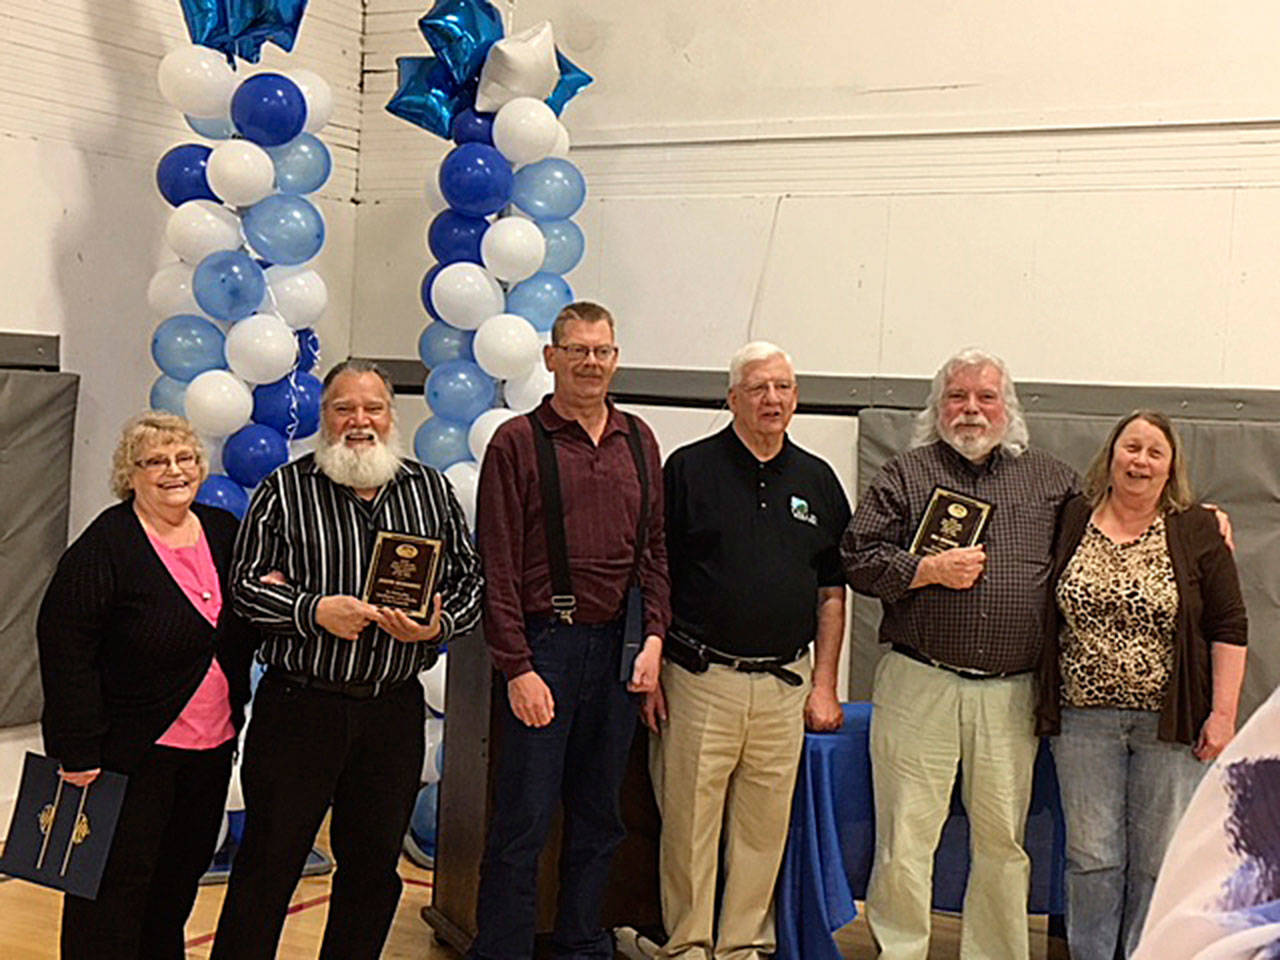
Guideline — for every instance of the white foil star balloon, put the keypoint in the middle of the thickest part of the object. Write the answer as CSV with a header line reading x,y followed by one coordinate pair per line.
x,y
521,65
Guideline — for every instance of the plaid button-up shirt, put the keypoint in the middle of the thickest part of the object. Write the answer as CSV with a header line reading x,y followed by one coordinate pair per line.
x,y
997,624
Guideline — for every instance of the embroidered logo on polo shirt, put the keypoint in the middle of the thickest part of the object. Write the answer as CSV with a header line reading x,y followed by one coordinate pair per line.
x,y
800,510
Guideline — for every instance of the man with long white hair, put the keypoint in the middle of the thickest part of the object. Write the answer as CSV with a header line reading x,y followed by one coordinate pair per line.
x,y
338,716
965,624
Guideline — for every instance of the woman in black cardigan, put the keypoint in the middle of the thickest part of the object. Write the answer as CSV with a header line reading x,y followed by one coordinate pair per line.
x,y
1140,675
146,672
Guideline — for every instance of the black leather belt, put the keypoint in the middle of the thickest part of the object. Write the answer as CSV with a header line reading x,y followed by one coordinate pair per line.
x,y
774,665
928,661
353,691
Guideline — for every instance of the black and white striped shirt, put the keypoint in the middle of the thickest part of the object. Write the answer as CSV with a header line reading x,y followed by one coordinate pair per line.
x,y
320,535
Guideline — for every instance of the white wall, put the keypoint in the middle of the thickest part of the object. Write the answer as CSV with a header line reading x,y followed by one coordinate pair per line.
x,y
81,128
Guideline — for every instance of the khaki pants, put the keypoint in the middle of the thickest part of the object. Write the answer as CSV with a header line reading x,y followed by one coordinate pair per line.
x,y
925,721
727,756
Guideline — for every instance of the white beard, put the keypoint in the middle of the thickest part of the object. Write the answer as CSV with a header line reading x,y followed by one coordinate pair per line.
x,y
360,469
974,448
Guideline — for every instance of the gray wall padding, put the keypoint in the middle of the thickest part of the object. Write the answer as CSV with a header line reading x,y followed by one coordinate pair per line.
x,y
37,417
1235,464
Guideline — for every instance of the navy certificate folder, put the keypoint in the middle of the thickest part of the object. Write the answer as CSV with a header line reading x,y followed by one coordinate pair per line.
x,y
60,834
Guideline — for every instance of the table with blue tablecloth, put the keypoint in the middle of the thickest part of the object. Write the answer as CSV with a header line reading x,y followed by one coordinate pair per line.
x,y
832,838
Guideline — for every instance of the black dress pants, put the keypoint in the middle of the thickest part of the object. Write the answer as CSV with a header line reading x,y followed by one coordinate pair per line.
x,y
304,751
164,841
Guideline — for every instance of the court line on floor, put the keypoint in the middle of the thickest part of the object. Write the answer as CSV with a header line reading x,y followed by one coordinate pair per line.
x,y
293,908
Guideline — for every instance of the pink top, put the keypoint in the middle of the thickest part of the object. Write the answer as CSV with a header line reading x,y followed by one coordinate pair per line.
x,y
205,722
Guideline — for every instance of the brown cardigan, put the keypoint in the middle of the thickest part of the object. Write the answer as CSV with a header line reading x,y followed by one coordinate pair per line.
x,y
1210,610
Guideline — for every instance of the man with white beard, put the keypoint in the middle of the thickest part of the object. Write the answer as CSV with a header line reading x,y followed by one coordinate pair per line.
x,y
338,716
965,625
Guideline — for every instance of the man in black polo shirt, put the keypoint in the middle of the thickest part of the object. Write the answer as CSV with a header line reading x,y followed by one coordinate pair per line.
x,y
753,527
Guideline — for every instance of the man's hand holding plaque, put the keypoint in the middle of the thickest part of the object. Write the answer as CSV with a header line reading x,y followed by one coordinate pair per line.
x,y
406,629
400,586
947,540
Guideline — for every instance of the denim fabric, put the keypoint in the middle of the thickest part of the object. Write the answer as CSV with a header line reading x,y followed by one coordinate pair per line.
x,y
1123,792
580,758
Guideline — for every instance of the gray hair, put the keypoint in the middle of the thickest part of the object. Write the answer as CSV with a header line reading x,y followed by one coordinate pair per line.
x,y
926,432
754,352
359,365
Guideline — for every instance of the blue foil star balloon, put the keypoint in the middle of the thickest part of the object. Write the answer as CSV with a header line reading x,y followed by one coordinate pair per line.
x,y
207,24
255,22
460,33
572,79
427,96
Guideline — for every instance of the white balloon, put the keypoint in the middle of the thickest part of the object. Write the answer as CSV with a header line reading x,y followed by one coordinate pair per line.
x,y
513,248
524,130
464,476
506,345
300,448
240,173
433,685
465,295
218,403
169,291
433,740
319,96
484,427
526,391
198,228
197,81
261,348
213,453
521,65
299,294
561,149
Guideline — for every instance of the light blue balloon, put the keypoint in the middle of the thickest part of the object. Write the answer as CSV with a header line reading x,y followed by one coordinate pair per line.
x,y
459,390
186,345
551,189
441,442
215,128
169,394
565,245
284,229
539,298
302,165
229,285
440,343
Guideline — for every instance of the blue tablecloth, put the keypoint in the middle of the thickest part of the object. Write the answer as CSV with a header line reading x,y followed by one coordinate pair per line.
x,y
832,838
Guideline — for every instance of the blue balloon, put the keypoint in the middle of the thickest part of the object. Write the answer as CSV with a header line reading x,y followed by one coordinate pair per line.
x,y
539,298
169,394
469,126
308,348
460,32
252,452
459,390
422,824
572,79
439,343
228,285
285,229
221,491
427,95
290,406
215,128
253,22
565,245
302,165
551,189
186,345
476,179
180,174
453,236
424,291
269,109
440,442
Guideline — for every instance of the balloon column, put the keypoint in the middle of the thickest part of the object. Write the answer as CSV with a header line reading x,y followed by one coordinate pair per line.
x,y
236,346
507,238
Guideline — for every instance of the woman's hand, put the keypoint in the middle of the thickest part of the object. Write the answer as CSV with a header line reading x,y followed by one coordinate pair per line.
x,y
80,778
1216,733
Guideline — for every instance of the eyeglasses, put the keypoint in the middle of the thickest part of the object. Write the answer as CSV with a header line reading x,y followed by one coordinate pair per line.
x,y
158,464
758,391
578,352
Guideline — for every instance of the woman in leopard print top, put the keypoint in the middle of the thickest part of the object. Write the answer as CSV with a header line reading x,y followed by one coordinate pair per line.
x,y
1140,675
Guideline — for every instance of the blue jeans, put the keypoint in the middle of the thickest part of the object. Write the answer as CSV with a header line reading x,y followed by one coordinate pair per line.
x,y
578,759
1123,792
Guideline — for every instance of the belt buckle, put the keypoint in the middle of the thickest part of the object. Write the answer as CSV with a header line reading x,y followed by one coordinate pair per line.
x,y
563,606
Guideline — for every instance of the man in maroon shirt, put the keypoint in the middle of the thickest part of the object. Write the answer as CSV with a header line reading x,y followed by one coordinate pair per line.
x,y
571,719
